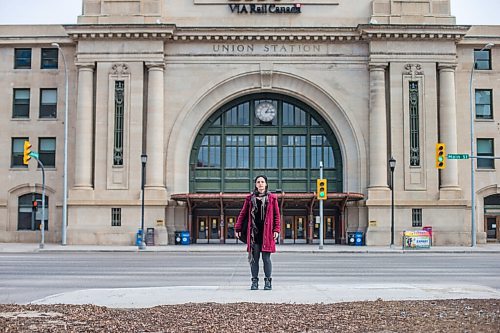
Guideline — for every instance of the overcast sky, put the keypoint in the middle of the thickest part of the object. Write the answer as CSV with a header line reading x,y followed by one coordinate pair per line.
x,y
66,11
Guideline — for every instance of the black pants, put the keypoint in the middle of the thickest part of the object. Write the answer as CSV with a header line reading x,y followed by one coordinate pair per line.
x,y
266,258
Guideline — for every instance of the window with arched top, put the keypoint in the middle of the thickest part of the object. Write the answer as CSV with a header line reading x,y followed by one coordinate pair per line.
x,y
30,212
269,134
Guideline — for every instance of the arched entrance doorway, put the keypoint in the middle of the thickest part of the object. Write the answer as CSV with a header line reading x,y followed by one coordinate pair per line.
x,y
492,217
275,135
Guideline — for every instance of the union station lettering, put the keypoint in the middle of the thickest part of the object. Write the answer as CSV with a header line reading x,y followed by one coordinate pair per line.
x,y
266,48
264,9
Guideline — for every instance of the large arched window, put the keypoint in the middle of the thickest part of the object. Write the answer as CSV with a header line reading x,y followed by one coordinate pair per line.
x,y
269,134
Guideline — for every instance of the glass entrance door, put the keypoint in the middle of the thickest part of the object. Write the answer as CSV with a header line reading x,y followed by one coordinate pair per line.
x,y
295,229
201,230
491,228
300,229
214,230
229,232
329,230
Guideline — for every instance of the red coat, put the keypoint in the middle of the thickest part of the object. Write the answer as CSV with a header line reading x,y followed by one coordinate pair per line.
x,y
271,224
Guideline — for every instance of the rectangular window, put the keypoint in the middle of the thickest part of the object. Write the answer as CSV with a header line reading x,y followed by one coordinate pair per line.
x,y
119,113
47,152
209,154
49,58
294,152
237,151
321,151
238,115
414,124
485,148
116,217
21,105
293,116
482,59
22,58
18,153
48,103
416,217
483,104
266,152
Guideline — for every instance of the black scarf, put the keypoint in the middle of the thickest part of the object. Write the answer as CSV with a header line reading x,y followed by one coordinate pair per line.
x,y
253,229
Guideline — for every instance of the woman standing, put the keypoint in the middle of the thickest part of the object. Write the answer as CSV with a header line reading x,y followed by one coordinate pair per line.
x,y
263,228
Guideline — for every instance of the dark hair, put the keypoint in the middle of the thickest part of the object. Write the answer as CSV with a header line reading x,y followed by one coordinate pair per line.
x,y
255,180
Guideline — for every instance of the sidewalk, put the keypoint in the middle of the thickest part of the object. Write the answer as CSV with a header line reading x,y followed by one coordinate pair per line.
x,y
299,294
330,248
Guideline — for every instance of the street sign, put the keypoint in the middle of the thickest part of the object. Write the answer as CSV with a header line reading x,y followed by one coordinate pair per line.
x,y
458,156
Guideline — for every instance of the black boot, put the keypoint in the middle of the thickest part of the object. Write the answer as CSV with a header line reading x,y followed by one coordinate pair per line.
x,y
267,284
255,284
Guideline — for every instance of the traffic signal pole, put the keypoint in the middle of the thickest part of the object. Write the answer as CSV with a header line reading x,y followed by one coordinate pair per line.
x,y
27,155
321,210
42,224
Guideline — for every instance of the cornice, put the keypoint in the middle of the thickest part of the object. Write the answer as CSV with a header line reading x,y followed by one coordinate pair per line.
x,y
412,32
366,32
120,31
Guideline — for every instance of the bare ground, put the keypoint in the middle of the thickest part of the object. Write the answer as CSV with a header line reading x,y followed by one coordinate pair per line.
x,y
470,315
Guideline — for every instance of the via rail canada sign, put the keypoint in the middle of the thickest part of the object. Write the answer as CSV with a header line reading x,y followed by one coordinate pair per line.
x,y
264,9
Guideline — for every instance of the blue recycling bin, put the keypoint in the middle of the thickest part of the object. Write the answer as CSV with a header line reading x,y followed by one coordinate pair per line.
x,y
185,239
358,238
138,237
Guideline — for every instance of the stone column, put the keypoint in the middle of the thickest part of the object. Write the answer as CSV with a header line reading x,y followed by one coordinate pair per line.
x,y
378,127
84,126
448,123
155,127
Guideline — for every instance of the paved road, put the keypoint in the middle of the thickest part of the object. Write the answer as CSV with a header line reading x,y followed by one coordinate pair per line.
x,y
27,277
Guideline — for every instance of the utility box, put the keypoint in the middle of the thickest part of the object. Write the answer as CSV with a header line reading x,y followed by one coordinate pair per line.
x,y
150,236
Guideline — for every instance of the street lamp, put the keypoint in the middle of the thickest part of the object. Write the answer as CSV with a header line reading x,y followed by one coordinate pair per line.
x,y
392,166
144,159
65,168
472,156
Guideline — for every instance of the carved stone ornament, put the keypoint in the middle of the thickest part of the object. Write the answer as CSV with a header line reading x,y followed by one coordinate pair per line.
x,y
119,69
413,70
266,79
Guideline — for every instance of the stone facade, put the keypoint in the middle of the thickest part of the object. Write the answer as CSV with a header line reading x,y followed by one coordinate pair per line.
x,y
180,61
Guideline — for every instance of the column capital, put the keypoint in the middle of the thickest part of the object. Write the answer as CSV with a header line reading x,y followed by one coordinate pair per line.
x,y
447,66
377,66
85,65
155,65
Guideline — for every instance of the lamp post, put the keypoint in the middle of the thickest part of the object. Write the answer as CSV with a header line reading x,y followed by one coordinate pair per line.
x,y
144,159
392,166
472,174
65,168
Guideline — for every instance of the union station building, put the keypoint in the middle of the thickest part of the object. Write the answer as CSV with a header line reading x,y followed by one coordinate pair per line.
x,y
215,92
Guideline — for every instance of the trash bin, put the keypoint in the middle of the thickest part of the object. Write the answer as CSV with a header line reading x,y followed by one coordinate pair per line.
x,y
185,238
177,238
138,237
358,235
351,240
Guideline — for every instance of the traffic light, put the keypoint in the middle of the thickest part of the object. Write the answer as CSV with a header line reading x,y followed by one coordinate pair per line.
x,y
27,152
321,189
440,155
34,207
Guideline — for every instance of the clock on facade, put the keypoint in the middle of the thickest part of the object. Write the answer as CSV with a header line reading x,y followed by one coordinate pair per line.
x,y
265,111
